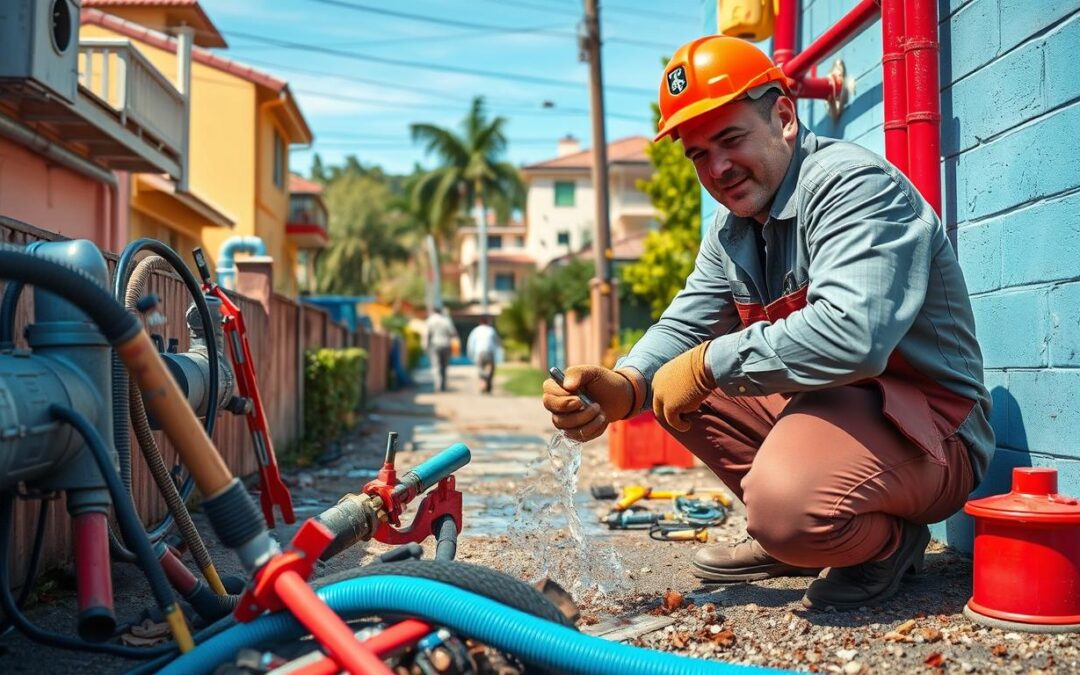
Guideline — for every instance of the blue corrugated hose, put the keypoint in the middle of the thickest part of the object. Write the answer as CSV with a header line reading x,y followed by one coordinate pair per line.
x,y
535,641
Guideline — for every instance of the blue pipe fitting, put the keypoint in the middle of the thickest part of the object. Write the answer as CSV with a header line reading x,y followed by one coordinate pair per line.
x,y
438,467
226,264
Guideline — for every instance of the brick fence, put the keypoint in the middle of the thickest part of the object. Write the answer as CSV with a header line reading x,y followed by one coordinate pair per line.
x,y
279,331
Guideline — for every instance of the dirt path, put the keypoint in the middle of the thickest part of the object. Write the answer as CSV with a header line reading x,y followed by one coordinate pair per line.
x,y
514,523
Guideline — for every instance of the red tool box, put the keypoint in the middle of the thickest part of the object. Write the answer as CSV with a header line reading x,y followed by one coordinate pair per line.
x,y
641,443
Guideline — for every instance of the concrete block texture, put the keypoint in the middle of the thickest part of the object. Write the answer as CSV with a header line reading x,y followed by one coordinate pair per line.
x,y
1014,328
970,39
1022,19
1062,77
988,101
1065,325
980,251
1041,241
1046,416
1031,162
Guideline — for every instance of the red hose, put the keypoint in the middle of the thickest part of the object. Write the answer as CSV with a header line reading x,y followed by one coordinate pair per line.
x,y
94,576
326,627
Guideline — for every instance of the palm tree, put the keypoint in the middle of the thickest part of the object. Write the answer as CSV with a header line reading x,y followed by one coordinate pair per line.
x,y
472,172
366,235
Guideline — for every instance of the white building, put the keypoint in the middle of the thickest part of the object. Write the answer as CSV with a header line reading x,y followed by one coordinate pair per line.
x,y
509,262
560,212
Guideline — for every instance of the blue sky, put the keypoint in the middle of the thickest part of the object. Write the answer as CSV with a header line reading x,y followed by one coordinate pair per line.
x,y
363,107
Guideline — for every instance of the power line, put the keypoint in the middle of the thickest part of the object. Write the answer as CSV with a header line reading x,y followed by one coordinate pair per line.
x,y
491,28
515,107
359,7
514,77
377,102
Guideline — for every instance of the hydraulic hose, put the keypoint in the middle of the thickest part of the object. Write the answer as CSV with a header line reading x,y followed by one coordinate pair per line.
x,y
145,437
536,642
35,560
130,525
501,588
446,538
234,515
16,617
120,377
8,305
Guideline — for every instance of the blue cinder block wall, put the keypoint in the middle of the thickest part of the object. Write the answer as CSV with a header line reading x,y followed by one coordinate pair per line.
x,y
1010,105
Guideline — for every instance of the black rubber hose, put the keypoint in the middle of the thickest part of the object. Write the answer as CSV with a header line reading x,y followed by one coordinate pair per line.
x,y
35,560
16,617
483,581
130,525
446,538
73,285
122,439
208,604
10,303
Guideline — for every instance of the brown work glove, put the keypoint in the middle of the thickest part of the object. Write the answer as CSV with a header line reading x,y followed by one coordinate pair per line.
x,y
616,395
680,386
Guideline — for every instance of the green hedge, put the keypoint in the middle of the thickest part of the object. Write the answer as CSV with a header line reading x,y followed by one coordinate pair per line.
x,y
333,390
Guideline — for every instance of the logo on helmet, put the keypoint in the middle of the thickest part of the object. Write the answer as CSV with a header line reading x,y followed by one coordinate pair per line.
x,y
676,81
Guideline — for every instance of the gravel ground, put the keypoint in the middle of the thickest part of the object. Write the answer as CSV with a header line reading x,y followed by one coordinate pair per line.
x,y
516,523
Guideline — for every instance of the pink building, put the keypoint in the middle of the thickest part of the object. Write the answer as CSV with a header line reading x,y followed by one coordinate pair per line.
x,y
71,117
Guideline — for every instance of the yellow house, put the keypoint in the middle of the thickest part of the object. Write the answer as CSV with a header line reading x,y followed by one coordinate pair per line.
x,y
242,122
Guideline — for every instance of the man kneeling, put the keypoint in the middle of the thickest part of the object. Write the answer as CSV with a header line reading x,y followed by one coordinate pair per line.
x,y
821,359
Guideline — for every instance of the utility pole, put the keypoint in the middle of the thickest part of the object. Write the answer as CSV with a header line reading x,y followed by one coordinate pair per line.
x,y
600,286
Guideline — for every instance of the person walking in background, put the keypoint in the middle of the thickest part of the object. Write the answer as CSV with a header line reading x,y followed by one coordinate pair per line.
x,y
438,338
481,347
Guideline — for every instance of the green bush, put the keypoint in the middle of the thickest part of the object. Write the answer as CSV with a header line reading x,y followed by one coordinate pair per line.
x,y
333,385
414,349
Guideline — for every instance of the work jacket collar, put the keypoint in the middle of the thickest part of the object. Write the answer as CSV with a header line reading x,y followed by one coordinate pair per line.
x,y
783,206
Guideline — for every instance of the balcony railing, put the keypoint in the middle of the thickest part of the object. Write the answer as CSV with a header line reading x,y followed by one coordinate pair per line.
x,y
121,77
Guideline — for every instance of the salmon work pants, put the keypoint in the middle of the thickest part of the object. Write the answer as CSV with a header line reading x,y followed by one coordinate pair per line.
x,y
826,478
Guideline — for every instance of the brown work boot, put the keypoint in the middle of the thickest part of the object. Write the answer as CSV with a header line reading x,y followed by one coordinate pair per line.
x,y
871,582
745,561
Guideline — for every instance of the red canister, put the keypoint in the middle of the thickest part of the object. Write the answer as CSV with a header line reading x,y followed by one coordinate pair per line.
x,y
1027,556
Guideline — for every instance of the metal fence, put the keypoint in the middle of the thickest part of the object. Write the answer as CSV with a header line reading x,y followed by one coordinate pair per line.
x,y
278,341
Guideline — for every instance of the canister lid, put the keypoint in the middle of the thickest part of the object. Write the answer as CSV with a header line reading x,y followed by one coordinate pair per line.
x,y
1034,497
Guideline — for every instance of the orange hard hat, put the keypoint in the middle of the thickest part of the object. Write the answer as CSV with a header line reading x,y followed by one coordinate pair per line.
x,y
710,72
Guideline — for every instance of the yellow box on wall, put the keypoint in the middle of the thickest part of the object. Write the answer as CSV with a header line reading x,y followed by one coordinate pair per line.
x,y
752,20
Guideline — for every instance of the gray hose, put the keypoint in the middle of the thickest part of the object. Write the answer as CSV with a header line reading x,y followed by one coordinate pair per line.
x,y
145,437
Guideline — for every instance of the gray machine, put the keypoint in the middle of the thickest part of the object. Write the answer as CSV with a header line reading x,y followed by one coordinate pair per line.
x,y
39,45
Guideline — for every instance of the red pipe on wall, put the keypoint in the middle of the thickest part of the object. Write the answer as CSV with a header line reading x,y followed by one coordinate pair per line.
x,y
849,25
784,51
923,99
894,94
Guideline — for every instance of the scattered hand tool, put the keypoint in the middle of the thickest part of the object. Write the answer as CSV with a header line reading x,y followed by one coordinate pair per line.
x,y
272,490
662,532
631,494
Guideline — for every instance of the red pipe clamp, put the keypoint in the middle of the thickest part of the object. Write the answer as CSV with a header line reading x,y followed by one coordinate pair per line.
x,y
1027,556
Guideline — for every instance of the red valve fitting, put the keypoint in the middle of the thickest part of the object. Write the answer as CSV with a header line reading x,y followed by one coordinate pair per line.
x,y
1027,544
282,584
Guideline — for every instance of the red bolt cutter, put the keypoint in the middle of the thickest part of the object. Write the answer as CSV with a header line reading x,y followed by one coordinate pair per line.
x,y
272,490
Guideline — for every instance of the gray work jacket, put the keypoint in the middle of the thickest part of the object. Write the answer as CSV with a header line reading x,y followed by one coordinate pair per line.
x,y
860,284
